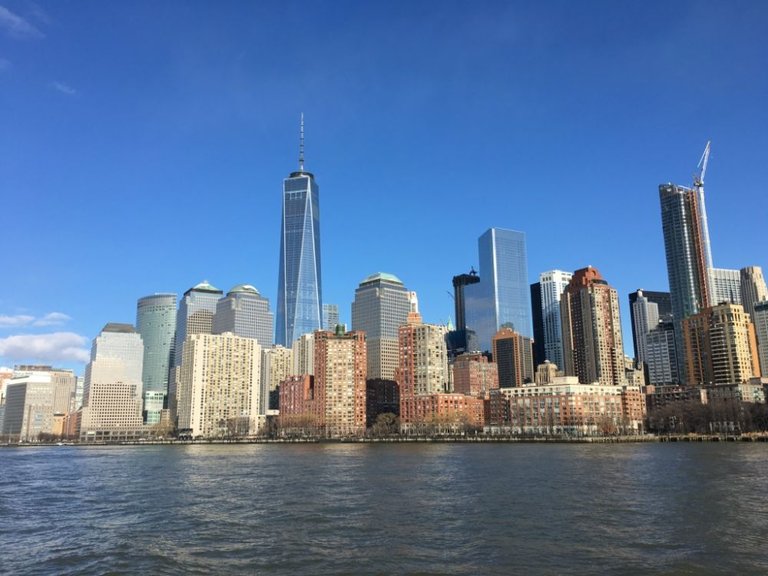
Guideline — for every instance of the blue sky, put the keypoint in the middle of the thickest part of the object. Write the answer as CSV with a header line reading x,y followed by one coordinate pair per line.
x,y
143,145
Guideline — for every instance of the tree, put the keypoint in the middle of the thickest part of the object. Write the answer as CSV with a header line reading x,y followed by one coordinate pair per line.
x,y
386,424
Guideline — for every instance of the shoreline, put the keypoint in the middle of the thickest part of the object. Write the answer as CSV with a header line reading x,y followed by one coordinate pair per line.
x,y
417,440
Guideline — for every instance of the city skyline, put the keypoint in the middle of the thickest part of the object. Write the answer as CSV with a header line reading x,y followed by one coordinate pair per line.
x,y
406,149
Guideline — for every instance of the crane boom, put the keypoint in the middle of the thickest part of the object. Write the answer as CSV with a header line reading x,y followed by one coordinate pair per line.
x,y
702,166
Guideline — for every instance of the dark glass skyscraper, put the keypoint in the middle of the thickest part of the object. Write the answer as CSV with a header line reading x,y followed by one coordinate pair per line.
x,y
299,291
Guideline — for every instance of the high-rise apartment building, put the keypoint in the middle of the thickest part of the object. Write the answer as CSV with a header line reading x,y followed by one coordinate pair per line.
x,y
513,353
340,373
156,324
726,285
474,375
112,394
381,306
330,317
503,295
299,291
592,340
753,289
545,304
244,312
720,346
423,360
276,366
304,354
760,316
219,393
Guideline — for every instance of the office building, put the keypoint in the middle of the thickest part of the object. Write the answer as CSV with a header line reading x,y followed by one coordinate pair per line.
x,y
513,353
195,316
720,346
156,324
503,295
753,289
660,353
726,285
299,292
340,373
220,386
113,389
244,312
592,341
545,305
381,306
460,339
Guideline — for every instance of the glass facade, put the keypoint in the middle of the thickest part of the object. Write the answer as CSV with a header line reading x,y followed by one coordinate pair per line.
x,y
502,297
299,294
244,312
156,323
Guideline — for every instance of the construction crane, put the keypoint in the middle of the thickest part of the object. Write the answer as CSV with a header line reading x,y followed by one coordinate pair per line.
x,y
698,179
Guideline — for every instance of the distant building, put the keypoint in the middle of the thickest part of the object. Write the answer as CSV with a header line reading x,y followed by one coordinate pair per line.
x,y
219,392
340,374
546,373
244,312
547,327
304,355
381,306
460,339
513,353
753,289
474,375
726,285
661,354
330,316
112,395
382,397
592,341
156,324
720,346
299,292
423,360
502,296
300,411
646,308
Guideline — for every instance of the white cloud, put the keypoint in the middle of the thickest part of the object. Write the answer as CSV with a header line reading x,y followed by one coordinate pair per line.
x,y
63,88
17,26
15,321
45,348
52,319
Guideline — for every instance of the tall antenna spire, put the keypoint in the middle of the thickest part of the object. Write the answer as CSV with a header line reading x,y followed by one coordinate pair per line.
x,y
301,145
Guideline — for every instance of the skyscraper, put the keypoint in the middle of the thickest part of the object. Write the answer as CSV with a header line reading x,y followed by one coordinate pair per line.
x,y
545,304
156,323
502,296
244,312
195,316
760,315
330,316
513,354
592,341
380,307
113,390
686,243
299,291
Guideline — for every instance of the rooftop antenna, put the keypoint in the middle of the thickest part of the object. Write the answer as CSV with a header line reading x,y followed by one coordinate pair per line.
x,y
301,145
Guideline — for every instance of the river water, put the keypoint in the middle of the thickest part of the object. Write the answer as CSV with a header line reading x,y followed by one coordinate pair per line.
x,y
464,509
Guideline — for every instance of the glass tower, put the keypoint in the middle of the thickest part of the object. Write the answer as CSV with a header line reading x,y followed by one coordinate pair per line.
x,y
502,296
547,329
156,323
299,292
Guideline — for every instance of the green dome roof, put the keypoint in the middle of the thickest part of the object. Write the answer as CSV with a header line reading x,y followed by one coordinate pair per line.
x,y
244,289
206,286
382,276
